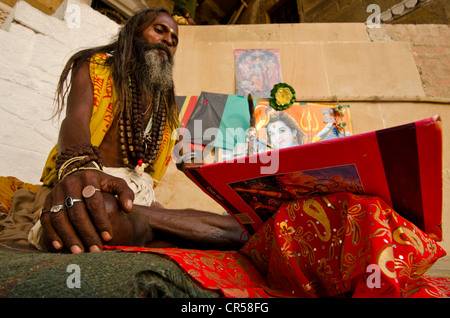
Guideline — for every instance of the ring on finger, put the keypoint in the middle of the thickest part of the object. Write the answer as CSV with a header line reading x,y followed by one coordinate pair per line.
x,y
43,211
89,191
56,208
70,201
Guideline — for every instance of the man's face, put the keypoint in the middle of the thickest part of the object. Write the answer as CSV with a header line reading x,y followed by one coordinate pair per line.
x,y
155,48
162,30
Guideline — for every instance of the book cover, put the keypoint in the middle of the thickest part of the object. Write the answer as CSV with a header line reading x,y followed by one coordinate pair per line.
x,y
401,165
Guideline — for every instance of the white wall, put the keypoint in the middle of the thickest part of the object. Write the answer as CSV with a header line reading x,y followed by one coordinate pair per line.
x,y
34,49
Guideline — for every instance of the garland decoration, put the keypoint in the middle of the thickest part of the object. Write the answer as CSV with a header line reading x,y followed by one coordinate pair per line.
x,y
282,96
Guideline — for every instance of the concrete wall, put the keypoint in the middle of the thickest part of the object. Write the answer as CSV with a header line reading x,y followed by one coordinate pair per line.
x,y
430,46
386,77
34,49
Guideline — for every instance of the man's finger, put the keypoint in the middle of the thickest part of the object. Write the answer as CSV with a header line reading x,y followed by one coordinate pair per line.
x,y
120,188
95,204
50,235
77,211
60,221
82,223
66,232
93,199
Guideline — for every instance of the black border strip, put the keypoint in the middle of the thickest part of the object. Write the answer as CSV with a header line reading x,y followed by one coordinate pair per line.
x,y
399,152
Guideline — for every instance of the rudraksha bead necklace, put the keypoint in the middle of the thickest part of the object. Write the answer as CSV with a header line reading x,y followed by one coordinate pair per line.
x,y
139,144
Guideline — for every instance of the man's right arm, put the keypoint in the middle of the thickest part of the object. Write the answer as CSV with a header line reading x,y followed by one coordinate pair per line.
x,y
86,222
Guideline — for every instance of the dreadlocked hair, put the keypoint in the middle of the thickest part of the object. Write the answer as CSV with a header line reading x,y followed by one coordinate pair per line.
x,y
122,59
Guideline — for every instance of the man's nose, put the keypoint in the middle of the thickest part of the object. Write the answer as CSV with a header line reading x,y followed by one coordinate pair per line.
x,y
167,39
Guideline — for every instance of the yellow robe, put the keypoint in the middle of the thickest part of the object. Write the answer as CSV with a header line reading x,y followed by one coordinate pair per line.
x,y
102,118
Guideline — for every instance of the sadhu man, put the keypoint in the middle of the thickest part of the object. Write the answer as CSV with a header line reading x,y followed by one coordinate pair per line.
x,y
114,144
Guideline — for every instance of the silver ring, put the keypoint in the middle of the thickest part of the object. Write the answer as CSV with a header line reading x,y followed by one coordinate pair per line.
x,y
70,201
57,208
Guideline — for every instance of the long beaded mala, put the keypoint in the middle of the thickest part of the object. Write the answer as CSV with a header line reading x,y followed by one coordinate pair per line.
x,y
140,145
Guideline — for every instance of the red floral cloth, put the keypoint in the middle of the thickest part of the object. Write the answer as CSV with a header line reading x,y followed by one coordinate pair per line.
x,y
330,245
340,244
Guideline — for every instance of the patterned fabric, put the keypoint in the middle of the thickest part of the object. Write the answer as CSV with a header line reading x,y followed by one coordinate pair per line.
x,y
327,246
229,272
102,117
339,245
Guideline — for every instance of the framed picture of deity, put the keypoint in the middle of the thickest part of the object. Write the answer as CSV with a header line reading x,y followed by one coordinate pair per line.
x,y
257,71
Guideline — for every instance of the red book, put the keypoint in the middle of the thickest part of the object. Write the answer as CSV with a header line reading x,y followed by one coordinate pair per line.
x,y
401,165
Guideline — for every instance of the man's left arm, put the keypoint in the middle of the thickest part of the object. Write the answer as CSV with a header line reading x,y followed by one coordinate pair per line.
x,y
186,228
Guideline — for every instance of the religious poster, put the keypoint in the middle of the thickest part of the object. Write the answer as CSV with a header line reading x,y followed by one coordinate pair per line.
x,y
401,165
257,71
301,123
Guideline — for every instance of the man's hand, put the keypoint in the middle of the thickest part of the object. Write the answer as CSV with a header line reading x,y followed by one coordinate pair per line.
x,y
74,220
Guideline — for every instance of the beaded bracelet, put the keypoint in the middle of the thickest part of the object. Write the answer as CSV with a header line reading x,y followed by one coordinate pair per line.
x,y
75,157
80,150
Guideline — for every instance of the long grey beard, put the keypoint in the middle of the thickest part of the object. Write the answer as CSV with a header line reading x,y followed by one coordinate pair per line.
x,y
155,76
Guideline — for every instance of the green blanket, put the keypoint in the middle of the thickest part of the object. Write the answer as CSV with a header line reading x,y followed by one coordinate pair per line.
x,y
26,272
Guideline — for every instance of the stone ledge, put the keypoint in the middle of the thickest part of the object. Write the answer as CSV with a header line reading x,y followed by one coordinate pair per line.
x,y
297,33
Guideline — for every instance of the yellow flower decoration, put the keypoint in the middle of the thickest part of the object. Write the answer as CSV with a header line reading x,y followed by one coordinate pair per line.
x,y
283,96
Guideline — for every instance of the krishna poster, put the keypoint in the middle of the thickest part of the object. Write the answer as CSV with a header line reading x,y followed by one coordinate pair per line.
x,y
257,71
